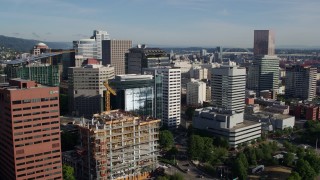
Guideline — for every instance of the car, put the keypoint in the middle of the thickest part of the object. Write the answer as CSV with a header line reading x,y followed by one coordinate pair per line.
x,y
200,176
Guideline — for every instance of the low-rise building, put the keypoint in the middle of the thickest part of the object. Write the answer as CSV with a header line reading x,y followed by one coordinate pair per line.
x,y
223,123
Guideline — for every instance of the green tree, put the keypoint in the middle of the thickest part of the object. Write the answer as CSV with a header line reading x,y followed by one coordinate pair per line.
x,y
240,170
314,160
243,159
305,170
68,172
294,176
288,159
166,140
196,146
162,178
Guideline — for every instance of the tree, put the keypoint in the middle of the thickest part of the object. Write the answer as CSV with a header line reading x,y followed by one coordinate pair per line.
x,y
305,170
314,160
294,176
196,147
240,170
68,172
288,159
243,159
166,140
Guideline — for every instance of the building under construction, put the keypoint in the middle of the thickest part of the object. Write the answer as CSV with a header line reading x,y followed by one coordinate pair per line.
x,y
118,145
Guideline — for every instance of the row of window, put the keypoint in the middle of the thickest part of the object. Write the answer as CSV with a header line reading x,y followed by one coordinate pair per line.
x,y
37,130
35,107
26,101
36,142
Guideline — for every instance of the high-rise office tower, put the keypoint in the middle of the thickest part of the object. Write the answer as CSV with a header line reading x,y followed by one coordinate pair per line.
x,y
141,94
301,82
228,87
264,43
30,131
171,94
196,92
86,89
91,48
142,57
263,74
226,118
114,53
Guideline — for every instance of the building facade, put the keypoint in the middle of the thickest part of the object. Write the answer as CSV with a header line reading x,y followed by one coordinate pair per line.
x,y
86,89
119,145
196,92
141,94
142,57
171,101
301,82
228,87
114,53
264,43
30,129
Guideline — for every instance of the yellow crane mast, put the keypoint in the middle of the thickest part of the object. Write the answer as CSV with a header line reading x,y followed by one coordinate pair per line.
x,y
107,95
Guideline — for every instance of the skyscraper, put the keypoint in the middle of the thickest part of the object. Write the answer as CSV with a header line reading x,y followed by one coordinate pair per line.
x,y
226,118
86,89
228,87
142,57
196,92
114,53
171,84
264,43
30,131
263,74
91,48
301,82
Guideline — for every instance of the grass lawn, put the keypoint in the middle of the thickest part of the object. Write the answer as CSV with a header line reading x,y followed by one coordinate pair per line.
x,y
273,172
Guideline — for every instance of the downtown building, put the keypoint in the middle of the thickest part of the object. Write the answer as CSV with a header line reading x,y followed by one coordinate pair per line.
x,y
91,48
114,53
226,117
142,57
196,92
139,94
86,89
118,145
171,88
30,129
263,74
301,82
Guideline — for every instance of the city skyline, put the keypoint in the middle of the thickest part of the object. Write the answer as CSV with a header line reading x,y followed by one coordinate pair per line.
x,y
169,23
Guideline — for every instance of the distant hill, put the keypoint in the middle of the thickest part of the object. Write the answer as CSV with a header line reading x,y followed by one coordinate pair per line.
x,y
25,45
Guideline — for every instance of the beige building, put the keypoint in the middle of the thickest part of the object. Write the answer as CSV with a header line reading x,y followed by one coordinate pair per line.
x,y
86,89
196,92
114,53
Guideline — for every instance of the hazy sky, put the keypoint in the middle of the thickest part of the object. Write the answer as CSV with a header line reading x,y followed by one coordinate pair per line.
x,y
204,23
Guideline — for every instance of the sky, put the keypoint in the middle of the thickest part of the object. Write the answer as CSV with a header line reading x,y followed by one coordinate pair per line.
x,y
174,23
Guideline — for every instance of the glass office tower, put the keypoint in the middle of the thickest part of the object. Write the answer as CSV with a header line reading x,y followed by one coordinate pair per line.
x,y
140,94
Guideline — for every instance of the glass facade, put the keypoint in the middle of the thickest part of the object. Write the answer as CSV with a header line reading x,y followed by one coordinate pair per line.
x,y
141,96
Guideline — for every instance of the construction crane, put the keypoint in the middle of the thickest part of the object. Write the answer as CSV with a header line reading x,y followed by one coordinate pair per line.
x,y
107,95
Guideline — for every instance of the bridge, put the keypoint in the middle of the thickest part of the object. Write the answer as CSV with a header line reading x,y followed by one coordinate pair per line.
x,y
237,51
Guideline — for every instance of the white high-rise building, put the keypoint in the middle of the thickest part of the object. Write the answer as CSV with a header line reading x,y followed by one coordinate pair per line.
x,y
196,92
228,87
171,94
226,119
91,48
99,36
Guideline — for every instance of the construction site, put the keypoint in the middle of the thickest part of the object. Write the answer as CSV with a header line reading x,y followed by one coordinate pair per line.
x,y
118,145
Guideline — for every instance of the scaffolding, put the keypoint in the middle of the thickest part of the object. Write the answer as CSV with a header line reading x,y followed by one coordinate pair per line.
x,y
120,145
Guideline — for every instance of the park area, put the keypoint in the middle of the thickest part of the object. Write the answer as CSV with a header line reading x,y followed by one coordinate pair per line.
x,y
273,172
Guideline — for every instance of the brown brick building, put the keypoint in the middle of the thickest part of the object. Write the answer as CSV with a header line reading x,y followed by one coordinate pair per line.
x,y
30,131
